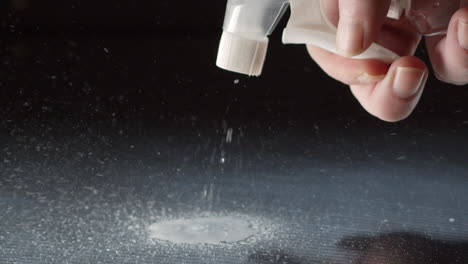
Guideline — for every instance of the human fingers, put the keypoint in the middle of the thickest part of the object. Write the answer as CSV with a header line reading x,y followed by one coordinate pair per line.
x,y
449,54
348,71
354,71
359,23
395,97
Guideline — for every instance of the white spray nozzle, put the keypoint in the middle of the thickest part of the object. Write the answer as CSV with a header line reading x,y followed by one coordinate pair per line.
x,y
247,25
241,54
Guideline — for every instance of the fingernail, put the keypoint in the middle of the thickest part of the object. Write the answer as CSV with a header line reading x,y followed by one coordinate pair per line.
x,y
350,37
463,34
408,81
368,79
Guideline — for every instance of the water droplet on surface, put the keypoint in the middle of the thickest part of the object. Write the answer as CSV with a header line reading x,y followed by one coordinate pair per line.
x,y
203,230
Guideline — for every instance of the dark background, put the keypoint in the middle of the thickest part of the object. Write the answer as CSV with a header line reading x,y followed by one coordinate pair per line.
x,y
123,98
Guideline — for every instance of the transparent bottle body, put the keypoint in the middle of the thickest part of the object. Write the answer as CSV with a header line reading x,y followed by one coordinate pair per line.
x,y
253,18
432,17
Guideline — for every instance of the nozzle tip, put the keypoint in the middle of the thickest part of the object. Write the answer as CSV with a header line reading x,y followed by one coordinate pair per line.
x,y
242,54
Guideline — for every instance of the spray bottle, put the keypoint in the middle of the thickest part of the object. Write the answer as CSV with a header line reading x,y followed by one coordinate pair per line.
x,y
248,23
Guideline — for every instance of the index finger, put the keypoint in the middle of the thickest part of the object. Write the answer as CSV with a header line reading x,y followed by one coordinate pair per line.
x,y
359,23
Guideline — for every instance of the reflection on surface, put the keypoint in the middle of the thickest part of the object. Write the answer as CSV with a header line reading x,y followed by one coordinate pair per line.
x,y
405,248
389,248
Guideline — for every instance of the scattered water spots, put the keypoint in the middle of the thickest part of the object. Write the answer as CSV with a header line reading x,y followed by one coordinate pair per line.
x,y
401,158
452,220
91,189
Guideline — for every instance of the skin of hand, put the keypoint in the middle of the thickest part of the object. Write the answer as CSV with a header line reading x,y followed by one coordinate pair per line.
x,y
390,92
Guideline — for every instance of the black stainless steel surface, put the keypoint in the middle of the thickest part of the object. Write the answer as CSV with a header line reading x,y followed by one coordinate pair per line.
x,y
114,116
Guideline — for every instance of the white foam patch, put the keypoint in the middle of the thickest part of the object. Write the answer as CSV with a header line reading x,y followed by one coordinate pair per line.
x,y
203,230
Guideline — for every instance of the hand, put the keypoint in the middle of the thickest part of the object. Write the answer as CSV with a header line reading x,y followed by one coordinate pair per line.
x,y
390,92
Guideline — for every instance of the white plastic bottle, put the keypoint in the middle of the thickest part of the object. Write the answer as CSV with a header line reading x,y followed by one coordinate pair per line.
x,y
248,23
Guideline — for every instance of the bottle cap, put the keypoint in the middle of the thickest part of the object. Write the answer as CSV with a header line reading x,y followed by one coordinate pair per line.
x,y
242,54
